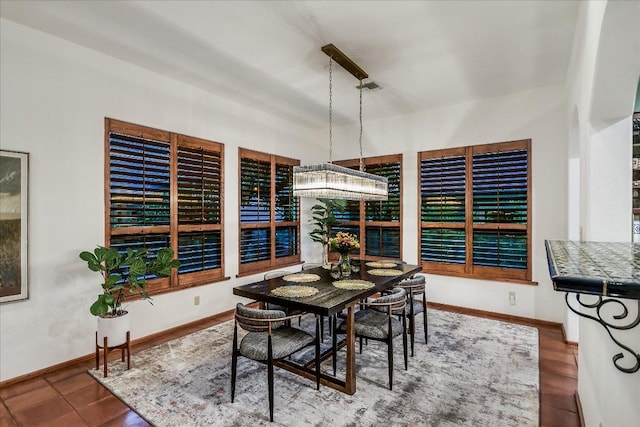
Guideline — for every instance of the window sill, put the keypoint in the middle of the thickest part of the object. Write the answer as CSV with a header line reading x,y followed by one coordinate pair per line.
x,y
264,270
477,277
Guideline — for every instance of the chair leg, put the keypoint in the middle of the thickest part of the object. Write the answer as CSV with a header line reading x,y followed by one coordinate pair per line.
x,y
270,378
412,328
424,313
404,342
360,345
234,362
390,359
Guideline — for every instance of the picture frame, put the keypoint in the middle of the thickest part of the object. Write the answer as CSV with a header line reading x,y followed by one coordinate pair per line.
x,y
14,215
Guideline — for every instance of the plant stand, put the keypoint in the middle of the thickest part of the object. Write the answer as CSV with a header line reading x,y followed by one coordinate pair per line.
x,y
124,347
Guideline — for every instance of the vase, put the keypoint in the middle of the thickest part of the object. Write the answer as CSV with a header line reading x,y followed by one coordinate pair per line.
x,y
345,264
114,328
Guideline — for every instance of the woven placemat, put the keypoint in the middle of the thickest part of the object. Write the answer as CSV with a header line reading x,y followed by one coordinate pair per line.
x,y
294,291
354,285
301,277
384,272
381,264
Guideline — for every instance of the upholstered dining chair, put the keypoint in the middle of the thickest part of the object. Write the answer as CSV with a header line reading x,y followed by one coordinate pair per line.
x,y
310,265
377,321
269,339
416,304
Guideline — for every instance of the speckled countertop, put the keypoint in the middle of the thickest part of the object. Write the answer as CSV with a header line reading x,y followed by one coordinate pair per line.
x,y
599,268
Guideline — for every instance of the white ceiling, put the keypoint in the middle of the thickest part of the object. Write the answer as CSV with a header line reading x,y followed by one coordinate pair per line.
x,y
266,54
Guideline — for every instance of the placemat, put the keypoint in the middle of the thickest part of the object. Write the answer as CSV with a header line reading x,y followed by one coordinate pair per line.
x,y
381,264
301,277
354,285
384,272
294,291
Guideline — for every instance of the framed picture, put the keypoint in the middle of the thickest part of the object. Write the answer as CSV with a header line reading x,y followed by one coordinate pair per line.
x,y
14,174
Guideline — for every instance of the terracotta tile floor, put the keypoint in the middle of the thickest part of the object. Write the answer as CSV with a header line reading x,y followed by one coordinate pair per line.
x,y
70,397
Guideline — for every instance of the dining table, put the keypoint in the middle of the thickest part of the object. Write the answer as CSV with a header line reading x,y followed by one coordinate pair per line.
x,y
330,300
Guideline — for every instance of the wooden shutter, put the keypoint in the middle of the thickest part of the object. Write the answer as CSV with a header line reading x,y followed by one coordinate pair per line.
x,y
200,208
377,224
500,203
139,173
269,213
475,205
442,209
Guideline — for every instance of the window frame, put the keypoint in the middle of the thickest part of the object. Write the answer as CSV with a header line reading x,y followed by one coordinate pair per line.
x,y
176,281
273,262
468,269
362,223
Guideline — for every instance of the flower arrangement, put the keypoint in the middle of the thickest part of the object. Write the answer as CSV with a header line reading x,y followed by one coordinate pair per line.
x,y
344,242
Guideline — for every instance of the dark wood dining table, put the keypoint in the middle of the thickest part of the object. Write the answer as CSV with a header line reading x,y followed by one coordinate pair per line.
x,y
327,302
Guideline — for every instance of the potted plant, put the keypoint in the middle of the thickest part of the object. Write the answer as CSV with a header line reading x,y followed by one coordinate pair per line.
x,y
324,218
124,274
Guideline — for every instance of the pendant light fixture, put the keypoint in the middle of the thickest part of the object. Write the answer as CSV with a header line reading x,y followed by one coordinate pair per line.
x,y
330,181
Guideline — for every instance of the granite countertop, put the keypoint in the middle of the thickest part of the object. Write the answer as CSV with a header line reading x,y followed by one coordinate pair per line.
x,y
597,268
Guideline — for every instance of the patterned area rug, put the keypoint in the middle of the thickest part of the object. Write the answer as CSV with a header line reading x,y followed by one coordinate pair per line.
x,y
473,372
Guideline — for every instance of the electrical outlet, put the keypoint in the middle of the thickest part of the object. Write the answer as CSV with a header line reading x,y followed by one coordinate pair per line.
x,y
512,298
196,300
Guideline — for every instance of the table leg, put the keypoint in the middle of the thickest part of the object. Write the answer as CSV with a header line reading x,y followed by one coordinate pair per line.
x,y
350,377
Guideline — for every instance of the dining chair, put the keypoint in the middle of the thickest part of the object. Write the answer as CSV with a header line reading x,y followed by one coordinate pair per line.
x,y
310,265
269,339
376,321
416,304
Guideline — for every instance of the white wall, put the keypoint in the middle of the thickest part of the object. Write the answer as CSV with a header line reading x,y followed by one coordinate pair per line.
x,y
55,96
536,114
602,84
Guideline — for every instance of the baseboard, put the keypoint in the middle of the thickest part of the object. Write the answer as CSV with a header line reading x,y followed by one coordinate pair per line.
x,y
579,406
498,316
139,341
564,337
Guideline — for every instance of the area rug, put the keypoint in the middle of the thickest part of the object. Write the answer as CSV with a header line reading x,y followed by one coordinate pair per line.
x,y
473,372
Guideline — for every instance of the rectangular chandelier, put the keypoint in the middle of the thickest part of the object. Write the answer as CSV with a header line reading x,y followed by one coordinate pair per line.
x,y
330,181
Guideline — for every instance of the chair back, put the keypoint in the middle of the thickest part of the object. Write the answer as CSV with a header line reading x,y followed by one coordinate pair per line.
x,y
256,319
310,265
391,303
414,286
274,274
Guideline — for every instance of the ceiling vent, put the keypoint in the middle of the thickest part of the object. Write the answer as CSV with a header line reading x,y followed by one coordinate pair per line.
x,y
370,85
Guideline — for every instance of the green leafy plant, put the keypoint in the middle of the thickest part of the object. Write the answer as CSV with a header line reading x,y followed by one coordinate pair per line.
x,y
324,219
125,274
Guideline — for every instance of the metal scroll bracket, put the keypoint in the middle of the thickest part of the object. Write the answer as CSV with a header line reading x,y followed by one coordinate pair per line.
x,y
597,307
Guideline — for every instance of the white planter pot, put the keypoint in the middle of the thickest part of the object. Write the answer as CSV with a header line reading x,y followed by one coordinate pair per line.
x,y
114,328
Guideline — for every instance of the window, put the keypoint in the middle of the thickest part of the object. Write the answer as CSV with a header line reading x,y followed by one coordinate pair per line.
x,y
165,189
475,205
269,214
378,224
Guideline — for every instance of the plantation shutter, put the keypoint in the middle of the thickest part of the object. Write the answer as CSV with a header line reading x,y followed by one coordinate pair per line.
x,y
443,189
165,190
199,205
269,213
475,211
377,224
500,192
139,173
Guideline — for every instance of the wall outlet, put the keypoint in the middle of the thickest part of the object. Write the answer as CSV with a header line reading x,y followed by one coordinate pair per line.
x,y
196,300
512,298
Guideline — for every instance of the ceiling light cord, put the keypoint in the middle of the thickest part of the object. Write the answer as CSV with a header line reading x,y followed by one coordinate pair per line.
x,y
360,138
330,109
